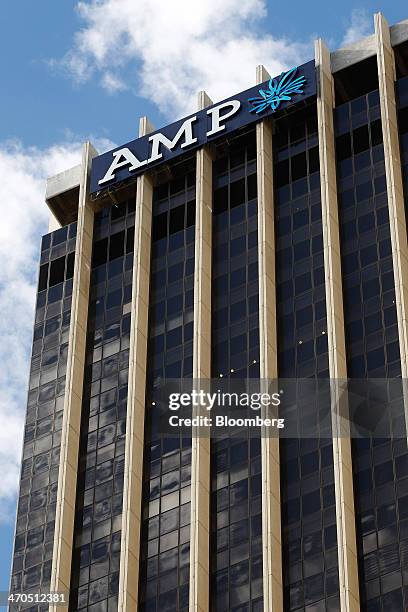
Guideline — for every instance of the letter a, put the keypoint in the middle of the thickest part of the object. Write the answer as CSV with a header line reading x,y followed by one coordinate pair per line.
x,y
128,159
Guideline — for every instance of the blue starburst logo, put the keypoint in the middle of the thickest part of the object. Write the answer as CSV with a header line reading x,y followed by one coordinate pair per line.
x,y
280,89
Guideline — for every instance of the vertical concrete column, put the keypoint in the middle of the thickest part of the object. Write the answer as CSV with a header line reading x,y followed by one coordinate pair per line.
x,y
71,423
343,477
386,82
200,444
136,404
53,223
271,505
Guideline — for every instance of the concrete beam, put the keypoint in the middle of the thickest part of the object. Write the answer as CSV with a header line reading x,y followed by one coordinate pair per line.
x,y
399,32
271,504
366,47
62,193
136,407
199,596
53,223
71,423
342,466
352,54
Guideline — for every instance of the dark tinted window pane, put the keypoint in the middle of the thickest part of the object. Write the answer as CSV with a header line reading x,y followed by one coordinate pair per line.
x,y
191,213
237,193
130,239
360,139
220,200
57,271
59,236
176,219
376,133
100,252
252,186
343,146
116,246
159,225
313,160
43,277
282,173
298,166
70,265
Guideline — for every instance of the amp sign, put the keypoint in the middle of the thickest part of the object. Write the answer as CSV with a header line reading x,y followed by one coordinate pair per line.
x,y
134,158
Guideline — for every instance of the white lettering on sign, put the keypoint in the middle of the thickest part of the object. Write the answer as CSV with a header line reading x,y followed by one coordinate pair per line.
x,y
184,138
185,130
216,117
129,159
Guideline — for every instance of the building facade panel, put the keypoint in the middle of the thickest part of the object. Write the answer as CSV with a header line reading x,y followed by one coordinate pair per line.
x,y
95,564
372,345
165,536
35,522
236,501
309,540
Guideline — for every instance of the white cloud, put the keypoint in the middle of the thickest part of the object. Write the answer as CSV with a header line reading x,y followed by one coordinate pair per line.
x,y
112,83
360,26
24,219
177,48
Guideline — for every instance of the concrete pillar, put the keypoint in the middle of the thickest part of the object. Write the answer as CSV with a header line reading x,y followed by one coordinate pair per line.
x,y
68,464
271,505
200,444
343,476
53,223
135,415
386,85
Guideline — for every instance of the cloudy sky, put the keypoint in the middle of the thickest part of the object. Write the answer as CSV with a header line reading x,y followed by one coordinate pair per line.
x,y
87,70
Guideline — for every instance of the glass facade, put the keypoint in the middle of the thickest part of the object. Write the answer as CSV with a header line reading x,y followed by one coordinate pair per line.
x,y
42,436
95,561
309,539
372,348
165,537
236,525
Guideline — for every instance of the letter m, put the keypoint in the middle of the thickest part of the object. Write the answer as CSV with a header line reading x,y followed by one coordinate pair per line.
x,y
186,130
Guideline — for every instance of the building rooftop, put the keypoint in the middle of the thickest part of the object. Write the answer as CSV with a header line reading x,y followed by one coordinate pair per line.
x,y
62,190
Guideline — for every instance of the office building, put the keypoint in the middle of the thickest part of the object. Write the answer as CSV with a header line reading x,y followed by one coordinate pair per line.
x,y
258,238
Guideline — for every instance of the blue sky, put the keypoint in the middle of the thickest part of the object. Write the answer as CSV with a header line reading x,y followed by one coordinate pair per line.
x,y
72,71
41,103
